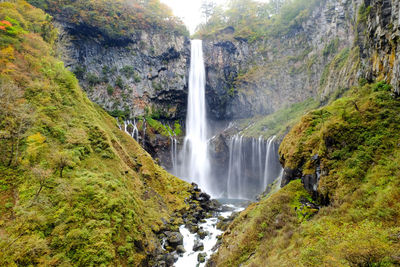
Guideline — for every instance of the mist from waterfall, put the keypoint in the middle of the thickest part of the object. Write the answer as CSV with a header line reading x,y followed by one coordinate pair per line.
x,y
194,160
253,165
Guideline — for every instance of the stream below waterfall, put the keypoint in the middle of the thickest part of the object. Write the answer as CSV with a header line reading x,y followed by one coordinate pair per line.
x,y
199,258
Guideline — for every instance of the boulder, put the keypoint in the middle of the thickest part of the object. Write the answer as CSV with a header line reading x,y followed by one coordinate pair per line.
x,y
198,246
202,257
174,238
180,249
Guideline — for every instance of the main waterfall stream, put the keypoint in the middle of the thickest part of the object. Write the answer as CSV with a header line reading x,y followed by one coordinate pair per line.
x,y
195,165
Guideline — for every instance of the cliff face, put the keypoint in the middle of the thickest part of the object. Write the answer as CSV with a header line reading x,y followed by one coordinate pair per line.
x,y
380,41
144,74
246,78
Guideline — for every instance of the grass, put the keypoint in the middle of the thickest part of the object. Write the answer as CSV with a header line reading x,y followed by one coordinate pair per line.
x,y
78,191
277,123
357,140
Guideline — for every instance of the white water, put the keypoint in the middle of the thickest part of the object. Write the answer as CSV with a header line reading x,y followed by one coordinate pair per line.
x,y
268,174
189,258
194,164
174,157
253,165
130,128
234,184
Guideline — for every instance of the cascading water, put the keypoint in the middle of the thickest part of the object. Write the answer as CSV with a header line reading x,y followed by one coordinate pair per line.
x,y
253,165
269,172
174,153
194,163
234,185
130,128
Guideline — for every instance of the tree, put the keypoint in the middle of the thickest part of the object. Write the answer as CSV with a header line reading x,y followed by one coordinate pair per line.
x,y
41,176
16,116
207,8
275,6
62,160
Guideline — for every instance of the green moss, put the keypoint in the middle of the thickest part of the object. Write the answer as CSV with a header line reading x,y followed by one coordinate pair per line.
x,y
110,90
278,122
77,190
356,138
331,48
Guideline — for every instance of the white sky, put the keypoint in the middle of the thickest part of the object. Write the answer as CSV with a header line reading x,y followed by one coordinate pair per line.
x,y
189,11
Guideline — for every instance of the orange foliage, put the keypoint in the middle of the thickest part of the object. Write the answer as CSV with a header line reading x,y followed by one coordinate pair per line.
x,y
6,22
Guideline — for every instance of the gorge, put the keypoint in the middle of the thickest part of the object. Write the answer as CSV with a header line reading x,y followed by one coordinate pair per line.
x,y
268,137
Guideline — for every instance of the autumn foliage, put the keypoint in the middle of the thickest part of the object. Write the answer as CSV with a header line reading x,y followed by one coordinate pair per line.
x,y
114,19
4,24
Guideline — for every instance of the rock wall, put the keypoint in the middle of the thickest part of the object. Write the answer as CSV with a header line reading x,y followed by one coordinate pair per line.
x,y
379,42
145,74
378,32
247,78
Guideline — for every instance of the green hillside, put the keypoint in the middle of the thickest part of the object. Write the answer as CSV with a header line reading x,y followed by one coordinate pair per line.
x,y
356,141
75,190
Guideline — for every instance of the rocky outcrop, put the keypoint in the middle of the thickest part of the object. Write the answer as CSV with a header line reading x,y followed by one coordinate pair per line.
x,y
246,78
142,74
379,41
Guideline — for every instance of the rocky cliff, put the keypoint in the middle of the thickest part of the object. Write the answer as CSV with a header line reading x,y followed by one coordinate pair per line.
x,y
379,41
247,77
145,74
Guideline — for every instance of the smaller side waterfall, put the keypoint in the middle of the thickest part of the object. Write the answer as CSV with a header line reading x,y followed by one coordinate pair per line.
x,y
174,153
269,171
235,184
130,128
253,165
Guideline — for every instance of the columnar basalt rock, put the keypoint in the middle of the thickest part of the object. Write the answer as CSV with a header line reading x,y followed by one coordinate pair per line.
x,y
379,42
144,74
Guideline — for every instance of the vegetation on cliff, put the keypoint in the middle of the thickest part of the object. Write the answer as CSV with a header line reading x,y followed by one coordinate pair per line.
x,y
115,19
75,190
254,20
356,141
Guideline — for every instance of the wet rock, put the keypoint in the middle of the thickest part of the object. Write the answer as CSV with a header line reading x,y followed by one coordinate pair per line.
x,y
174,238
202,234
161,264
171,258
198,246
211,205
204,197
202,257
223,223
196,187
193,228
180,249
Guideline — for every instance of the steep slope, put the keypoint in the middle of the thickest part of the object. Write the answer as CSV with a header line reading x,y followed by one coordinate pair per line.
x,y
346,155
131,57
75,190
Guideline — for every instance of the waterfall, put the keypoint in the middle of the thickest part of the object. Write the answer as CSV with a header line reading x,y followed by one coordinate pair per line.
x,y
269,160
144,133
194,157
235,183
253,165
174,154
130,128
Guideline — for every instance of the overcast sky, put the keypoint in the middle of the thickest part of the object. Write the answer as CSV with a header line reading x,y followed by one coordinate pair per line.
x,y
189,11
